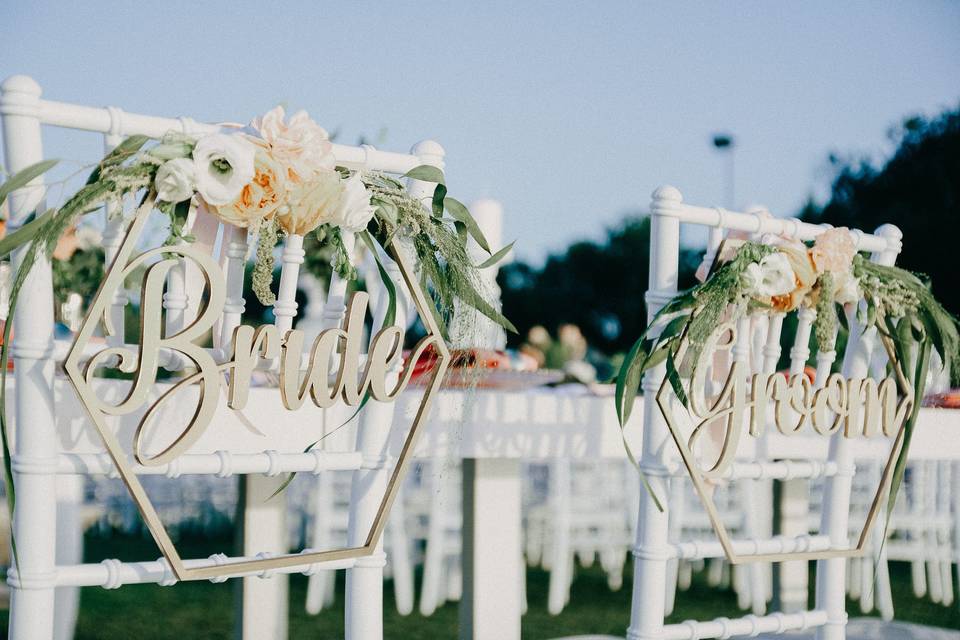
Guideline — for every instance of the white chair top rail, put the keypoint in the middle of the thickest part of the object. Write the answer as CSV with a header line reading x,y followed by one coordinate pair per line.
x,y
667,201
20,95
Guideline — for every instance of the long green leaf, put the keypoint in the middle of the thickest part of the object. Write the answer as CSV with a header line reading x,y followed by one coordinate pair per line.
x,y
919,385
389,319
24,234
118,155
23,177
497,257
628,380
675,382
460,212
391,314
472,297
4,438
426,173
290,476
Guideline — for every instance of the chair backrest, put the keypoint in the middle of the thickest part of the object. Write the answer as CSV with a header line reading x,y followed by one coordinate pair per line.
x,y
59,440
758,346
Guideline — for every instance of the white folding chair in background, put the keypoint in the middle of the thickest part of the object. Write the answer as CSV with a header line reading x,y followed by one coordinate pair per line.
x,y
653,547
42,458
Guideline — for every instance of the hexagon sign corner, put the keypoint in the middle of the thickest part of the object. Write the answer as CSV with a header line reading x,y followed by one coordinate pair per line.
x,y
840,407
382,369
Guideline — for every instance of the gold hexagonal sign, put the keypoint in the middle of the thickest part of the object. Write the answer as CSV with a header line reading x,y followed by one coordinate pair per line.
x,y
747,405
250,347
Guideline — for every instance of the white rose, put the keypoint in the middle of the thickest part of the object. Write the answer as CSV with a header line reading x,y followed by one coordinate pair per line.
x,y
223,166
175,180
354,211
846,288
776,276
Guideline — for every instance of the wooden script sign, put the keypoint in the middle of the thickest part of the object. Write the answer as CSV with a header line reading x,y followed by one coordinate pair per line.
x,y
748,405
333,374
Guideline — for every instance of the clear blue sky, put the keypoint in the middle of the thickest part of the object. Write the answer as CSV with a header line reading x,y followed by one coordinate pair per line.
x,y
569,114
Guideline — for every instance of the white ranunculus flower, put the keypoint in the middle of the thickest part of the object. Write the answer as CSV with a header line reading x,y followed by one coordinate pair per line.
x,y
223,166
776,276
846,288
176,180
751,277
354,210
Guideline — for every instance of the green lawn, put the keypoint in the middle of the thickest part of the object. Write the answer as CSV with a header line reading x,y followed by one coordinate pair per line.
x,y
201,610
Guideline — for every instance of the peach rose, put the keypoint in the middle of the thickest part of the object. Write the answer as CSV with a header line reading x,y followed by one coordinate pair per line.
x,y
311,203
300,143
833,250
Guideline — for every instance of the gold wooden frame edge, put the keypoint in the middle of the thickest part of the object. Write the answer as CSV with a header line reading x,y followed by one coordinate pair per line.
x,y
717,522
234,569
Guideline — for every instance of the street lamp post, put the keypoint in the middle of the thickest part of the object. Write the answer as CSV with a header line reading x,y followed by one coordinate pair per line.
x,y
723,142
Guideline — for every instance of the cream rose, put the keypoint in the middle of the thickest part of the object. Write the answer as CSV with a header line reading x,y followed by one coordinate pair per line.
x,y
223,166
311,203
301,143
176,180
354,210
846,288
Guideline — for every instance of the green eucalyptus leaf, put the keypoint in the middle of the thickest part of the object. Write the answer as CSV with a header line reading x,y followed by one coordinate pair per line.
x,y
497,257
427,173
460,212
23,177
437,204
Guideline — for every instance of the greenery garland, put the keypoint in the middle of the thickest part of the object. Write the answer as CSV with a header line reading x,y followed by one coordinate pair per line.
x,y
276,177
910,323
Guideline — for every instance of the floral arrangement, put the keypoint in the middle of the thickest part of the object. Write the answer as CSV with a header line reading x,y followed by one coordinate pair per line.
x,y
274,177
780,276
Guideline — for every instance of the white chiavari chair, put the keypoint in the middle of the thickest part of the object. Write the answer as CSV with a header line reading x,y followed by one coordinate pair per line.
x,y
653,548
44,416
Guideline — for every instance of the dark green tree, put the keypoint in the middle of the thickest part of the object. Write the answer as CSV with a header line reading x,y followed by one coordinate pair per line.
x,y
597,286
917,189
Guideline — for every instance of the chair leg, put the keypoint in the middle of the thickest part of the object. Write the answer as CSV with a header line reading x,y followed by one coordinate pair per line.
x,y
69,551
561,560
715,571
884,597
320,539
430,597
400,559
